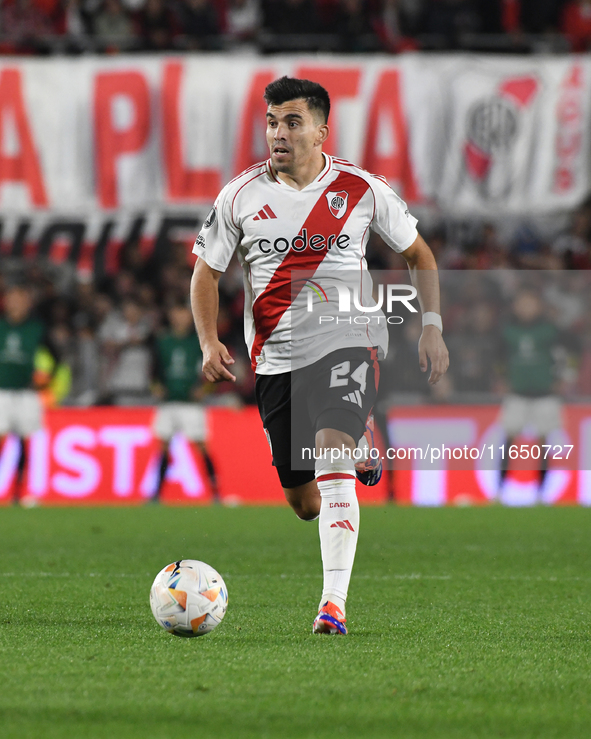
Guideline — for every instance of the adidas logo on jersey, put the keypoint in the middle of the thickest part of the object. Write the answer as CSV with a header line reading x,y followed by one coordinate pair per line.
x,y
342,525
264,214
354,397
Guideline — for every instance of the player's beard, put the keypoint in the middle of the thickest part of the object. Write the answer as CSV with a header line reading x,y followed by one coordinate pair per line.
x,y
284,165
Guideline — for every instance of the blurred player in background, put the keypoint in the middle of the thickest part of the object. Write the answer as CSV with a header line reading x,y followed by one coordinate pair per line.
x,y
302,210
22,339
177,365
533,405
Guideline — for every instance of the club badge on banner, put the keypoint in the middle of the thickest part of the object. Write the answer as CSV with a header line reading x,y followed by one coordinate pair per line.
x,y
516,136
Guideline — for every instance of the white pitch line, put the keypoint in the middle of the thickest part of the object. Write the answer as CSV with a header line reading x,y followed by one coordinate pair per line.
x,y
407,576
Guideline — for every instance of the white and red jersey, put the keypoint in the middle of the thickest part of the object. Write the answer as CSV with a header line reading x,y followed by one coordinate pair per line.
x,y
277,230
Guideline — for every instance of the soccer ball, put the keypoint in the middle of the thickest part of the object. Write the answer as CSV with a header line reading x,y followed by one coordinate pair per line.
x,y
188,598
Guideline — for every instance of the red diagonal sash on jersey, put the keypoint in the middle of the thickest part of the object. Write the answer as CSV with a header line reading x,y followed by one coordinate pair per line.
x,y
278,296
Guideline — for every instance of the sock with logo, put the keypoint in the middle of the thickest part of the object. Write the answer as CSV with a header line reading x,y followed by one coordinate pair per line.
x,y
338,526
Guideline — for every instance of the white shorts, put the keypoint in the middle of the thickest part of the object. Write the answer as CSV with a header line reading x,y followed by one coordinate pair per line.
x,y
538,416
186,418
20,412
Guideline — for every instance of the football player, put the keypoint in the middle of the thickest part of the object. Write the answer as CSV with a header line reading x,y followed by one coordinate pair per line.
x,y
302,210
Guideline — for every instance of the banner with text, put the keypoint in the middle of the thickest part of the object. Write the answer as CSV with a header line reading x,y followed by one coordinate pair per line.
x,y
108,456
97,150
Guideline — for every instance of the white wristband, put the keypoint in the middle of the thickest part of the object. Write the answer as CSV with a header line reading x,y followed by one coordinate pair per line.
x,y
430,318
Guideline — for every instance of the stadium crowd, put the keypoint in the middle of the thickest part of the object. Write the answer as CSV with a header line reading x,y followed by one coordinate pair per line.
x,y
102,333
76,26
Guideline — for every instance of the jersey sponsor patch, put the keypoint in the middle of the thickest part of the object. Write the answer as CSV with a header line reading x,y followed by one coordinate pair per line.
x,y
337,203
210,220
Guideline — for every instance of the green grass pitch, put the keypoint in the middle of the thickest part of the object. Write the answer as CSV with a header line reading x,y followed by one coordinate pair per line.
x,y
464,623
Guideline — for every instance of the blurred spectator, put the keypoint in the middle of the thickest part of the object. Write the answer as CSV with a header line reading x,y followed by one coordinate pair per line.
x,y
353,25
489,14
101,308
25,25
584,375
565,297
526,247
475,350
576,24
57,363
573,246
451,18
122,285
126,356
83,299
351,22
540,16
396,23
199,23
136,261
74,23
401,374
156,26
243,19
113,26
85,364
290,17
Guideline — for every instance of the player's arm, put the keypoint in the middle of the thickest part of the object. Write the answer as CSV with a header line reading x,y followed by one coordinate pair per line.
x,y
425,278
205,305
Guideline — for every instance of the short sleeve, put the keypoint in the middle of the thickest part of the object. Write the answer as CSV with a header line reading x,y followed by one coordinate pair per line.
x,y
219,235
392,219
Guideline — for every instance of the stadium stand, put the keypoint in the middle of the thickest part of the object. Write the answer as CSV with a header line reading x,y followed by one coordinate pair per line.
x,y
353,26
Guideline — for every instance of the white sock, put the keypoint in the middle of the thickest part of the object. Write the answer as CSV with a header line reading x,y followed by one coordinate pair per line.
x,y
338,527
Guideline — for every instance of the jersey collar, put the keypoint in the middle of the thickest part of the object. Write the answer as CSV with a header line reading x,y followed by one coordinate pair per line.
x,y
323,176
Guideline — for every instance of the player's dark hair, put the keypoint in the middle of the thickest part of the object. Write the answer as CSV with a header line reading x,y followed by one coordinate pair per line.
x,y
289,88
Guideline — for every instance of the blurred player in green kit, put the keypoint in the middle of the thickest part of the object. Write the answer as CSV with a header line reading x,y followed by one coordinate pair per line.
x,y
177,367
533,405
21,339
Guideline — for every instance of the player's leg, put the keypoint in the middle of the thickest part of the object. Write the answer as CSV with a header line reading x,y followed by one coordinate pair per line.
x,y
19,478
513,418
190,420
369,467
338,524
546,419
163,465
163,429
505,461
301,493
6,415
343,391
285,437
28,419
543,469
210,467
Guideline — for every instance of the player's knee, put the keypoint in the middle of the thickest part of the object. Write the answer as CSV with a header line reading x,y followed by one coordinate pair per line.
x,y
306,512
300,492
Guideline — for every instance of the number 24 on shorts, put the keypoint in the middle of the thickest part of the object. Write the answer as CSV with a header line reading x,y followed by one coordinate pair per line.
x,y
339,375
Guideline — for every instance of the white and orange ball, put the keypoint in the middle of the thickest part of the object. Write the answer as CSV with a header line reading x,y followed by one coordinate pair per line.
x,y
188,598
